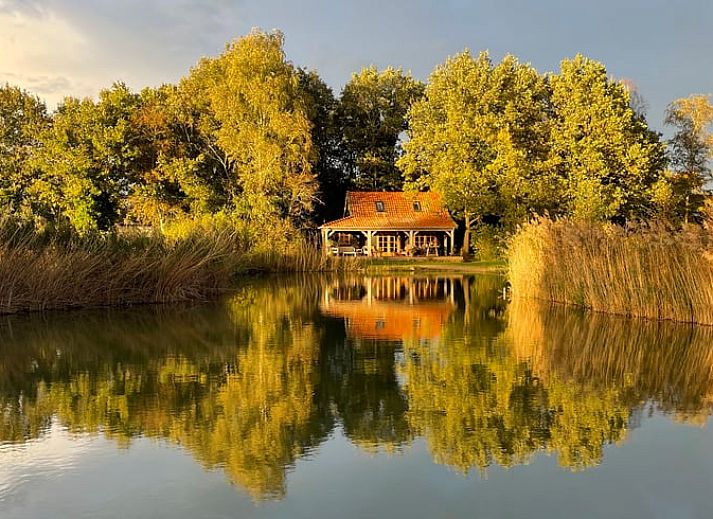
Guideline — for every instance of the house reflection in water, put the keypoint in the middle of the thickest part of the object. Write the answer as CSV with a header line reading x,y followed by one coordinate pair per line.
x,y
392,308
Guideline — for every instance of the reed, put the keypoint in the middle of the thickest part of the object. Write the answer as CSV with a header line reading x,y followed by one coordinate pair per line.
x,y
649,271
301,255
43,270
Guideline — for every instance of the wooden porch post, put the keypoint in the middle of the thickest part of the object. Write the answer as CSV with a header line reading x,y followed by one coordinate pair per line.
x,y
451,242
369,236
325,241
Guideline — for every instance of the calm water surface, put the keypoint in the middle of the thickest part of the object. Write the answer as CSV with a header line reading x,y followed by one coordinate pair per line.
x,y
355,397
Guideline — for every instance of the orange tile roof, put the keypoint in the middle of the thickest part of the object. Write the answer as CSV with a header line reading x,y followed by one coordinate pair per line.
x,y
398,215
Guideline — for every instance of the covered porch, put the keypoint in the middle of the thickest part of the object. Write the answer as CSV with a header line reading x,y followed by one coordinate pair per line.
x,y
387,243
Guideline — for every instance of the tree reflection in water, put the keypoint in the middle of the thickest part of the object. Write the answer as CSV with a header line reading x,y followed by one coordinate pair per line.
x,y
255,383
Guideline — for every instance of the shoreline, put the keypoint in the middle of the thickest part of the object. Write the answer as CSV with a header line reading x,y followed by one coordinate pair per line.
x,y
434,265
251,274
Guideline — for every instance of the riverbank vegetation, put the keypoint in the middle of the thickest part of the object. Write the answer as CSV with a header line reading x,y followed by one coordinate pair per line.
x,y
264,150
648,270
43,269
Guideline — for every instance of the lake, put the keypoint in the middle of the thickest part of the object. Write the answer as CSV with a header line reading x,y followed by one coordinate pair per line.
x,y
355,396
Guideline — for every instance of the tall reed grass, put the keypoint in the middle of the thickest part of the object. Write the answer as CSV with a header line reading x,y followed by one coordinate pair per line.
x,y
42,270
648,271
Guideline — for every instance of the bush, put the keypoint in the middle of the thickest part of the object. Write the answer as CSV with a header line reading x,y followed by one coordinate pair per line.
x,y
487,243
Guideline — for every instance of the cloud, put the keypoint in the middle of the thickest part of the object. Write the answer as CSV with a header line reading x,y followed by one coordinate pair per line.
x,y
61,47
43,85
27,7
41,51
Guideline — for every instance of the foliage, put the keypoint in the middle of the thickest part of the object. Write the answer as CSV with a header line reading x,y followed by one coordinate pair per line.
x,y
250,137
372,114
331,165
604,152
502,142
264,129
233,135
86,159
479,138
22,118
693,142
487,242
181,172
691,149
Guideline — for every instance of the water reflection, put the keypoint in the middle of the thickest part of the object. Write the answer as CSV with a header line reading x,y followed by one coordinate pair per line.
x,y
391,308
253,384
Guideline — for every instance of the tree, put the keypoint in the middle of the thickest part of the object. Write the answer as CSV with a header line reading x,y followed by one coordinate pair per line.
x,y
215,181
22,118
691,147
264,129
479,139
86,159
330,161
604,152
180,170
372,113
637,102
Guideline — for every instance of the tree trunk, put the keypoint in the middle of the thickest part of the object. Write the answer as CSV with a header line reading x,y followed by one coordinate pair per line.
x,y
465,250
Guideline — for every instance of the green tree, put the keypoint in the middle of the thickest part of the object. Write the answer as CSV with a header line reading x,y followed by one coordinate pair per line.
x,y
22,118
180,170
214,183
479,138
691,148
86,159
330,160
604,152
372,114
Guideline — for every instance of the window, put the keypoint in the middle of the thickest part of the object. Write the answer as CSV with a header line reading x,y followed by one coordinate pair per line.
x,y
417,206
379,206
386,243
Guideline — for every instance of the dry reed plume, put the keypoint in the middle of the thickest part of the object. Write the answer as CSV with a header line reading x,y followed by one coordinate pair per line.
x,y
651,272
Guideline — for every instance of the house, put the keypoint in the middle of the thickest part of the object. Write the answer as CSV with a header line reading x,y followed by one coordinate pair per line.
x,y
382,223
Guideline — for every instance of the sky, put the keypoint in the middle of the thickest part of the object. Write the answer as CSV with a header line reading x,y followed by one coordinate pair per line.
x,y
56,48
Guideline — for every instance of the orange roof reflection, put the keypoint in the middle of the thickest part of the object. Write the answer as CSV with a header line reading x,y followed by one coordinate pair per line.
x,y
391,309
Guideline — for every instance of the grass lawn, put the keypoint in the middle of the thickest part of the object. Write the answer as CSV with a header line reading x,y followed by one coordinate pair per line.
x,y
400,265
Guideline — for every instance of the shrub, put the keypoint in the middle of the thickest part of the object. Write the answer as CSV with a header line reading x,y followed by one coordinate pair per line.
x,y
487,243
